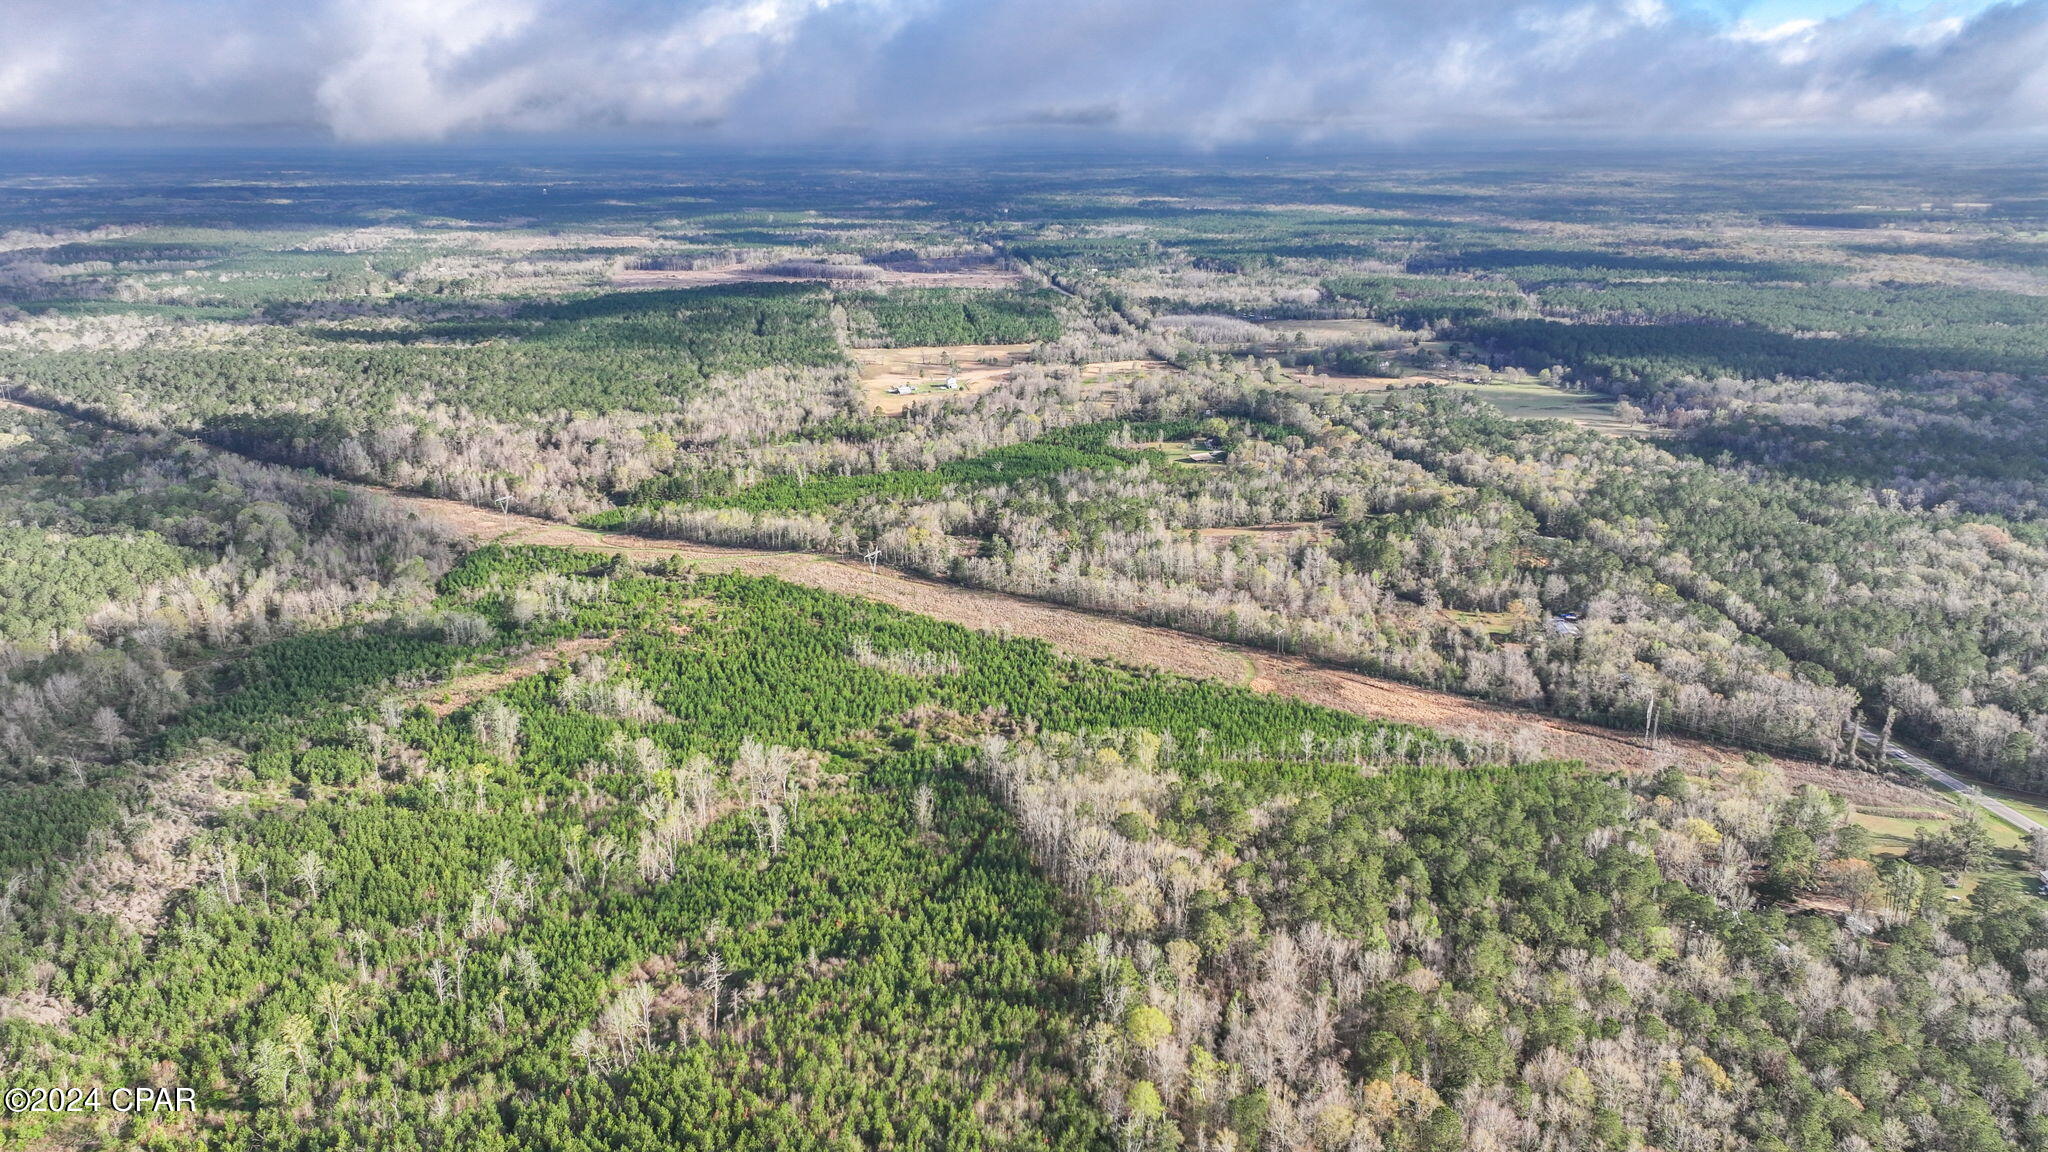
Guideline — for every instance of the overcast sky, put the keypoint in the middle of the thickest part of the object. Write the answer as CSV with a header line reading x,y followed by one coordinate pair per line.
x,y
1204,71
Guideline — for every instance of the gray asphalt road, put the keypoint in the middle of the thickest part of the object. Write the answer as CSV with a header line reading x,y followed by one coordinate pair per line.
x,y
1945,779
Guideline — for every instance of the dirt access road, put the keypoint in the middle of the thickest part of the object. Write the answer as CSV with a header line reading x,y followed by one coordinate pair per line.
x,y
1093,635
1089,635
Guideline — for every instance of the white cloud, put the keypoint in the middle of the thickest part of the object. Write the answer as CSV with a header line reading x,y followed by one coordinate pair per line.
x,y
1207,70
410,69
1773,33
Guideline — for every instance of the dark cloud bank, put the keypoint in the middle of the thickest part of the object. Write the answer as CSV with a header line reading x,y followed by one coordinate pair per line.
x,y
1205,71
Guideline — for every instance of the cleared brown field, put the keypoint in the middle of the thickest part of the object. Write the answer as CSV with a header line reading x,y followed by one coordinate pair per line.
x,y
1103,370
1326,332
443,699
1338,382
978,367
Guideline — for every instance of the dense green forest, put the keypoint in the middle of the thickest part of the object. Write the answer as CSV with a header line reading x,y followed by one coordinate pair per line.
x,y
51,581
1068,449
843,860
134,560
625,351
632,902
922,316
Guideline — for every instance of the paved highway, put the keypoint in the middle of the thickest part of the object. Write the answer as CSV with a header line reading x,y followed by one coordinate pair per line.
x,y
1953,783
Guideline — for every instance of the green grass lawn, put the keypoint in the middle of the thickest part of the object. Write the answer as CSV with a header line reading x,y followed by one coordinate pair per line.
x,y
2028,803
1893,836
1528,400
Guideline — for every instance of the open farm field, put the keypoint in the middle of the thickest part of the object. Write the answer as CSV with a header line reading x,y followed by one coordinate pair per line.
x,y
974,368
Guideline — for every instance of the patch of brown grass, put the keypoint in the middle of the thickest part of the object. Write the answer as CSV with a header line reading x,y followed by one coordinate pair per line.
x,y
131,882
978,367
452,695
1269,537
